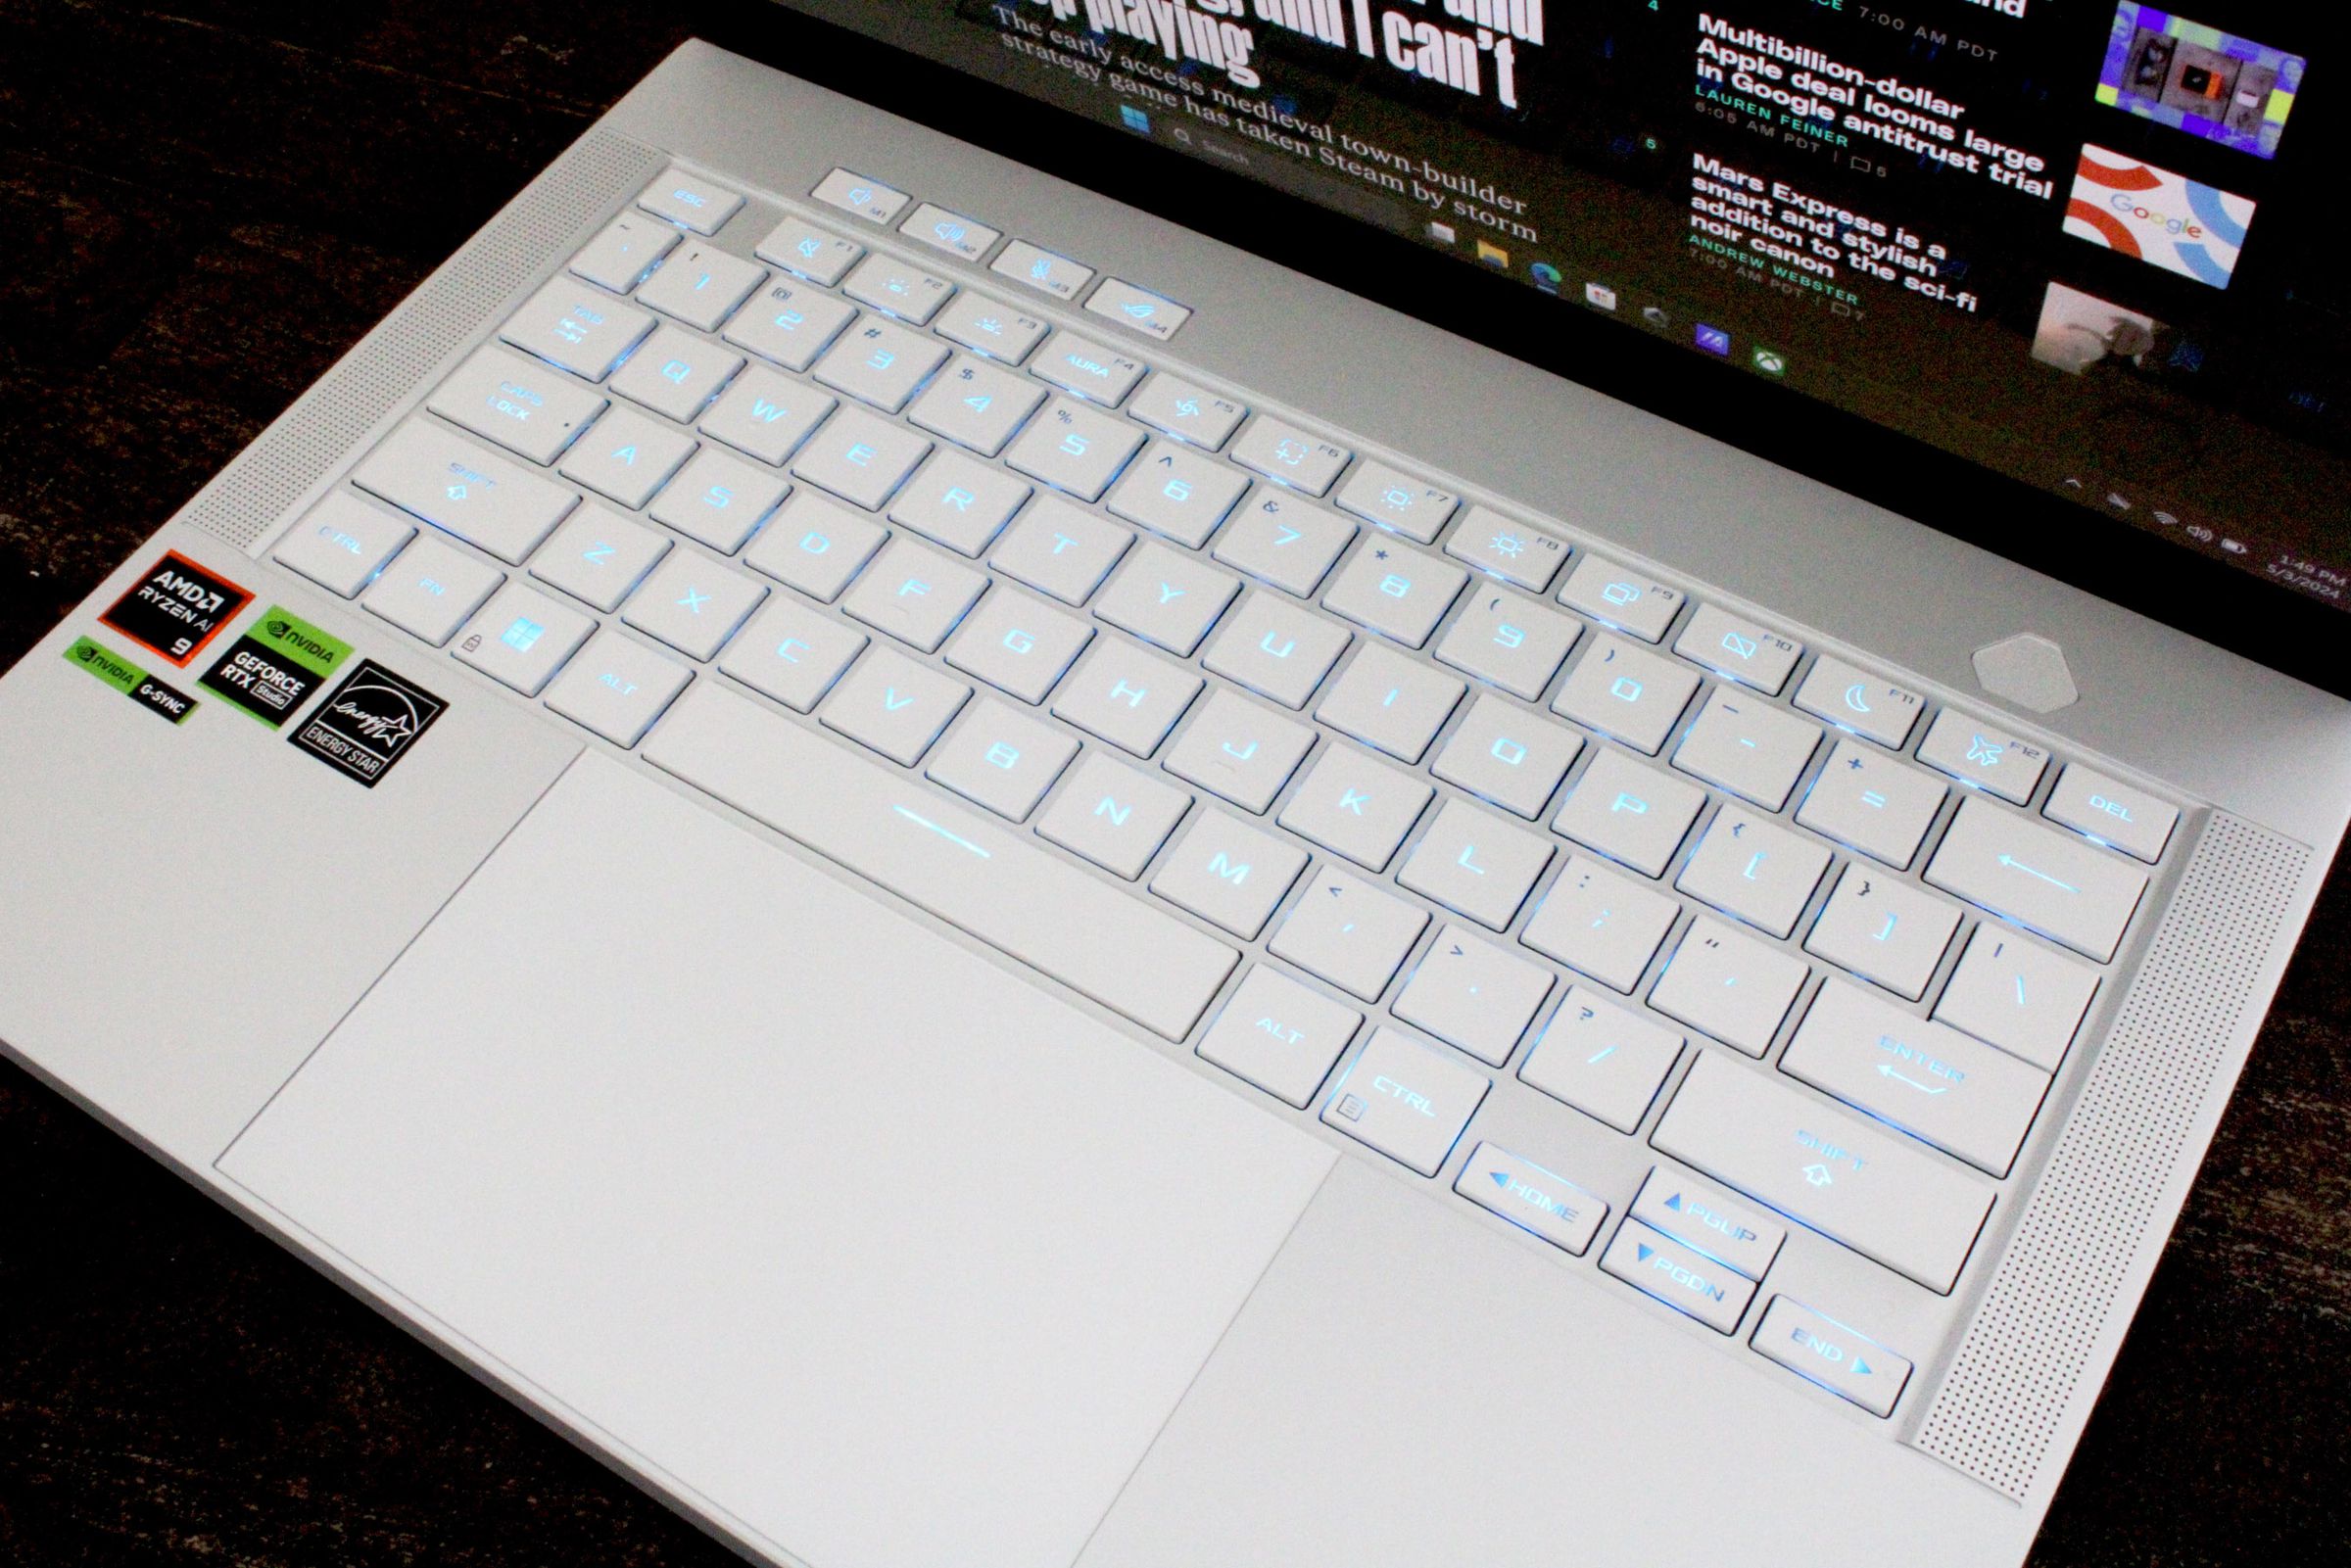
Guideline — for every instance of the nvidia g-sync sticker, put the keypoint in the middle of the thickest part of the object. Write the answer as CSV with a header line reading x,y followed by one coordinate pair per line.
x,y
129,680
176,608
280,660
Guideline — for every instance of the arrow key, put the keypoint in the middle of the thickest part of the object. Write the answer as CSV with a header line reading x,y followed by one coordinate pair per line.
x,y
1529,1196
1685,1280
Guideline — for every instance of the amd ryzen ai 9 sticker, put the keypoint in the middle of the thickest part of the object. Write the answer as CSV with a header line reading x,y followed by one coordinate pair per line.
x,y
129,680
176,608
369,723
280,660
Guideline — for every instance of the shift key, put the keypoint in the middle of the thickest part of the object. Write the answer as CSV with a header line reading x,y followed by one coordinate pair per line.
x,y
456,485
1886,1200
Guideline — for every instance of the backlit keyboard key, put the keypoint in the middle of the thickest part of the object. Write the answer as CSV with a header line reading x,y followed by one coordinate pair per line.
x,y
767,416
1606,925
1927,1079
430,589
343,543
1629,813
1166,596
1174,405
1500,547
816,253
1112,814
1357,807
522,637
701,285
692,602
1750,866
1877,804
1276,648
2112,813
1238,750
1606,1061
1511,642
958,501
1139,310
1396,500
431,472
1083,366
1732,986
574,325
1884,929
1174,490
915,593
690,201
519,403
1851,698
2019,995
627,457
859,457
1000,758
1741,650
1982,754
1042,269
1875,1191
1626,691
625,252
961,237
676,374
1471,994
881,362
718,500
597,557
889,284
1616,596
1531,1196
1820,1350
1686,1280
1059,550
1348,933
2041,878
892,704
617,688
1279,1035
789,323
988,327
1396,591
1390,702
815,545
1406,1099
1507,757
977,404
1474,864
1747,746
1074,448
1129,697
1279,537
1017,643
868,198
1228,874
1298,457
1687,1211
792,653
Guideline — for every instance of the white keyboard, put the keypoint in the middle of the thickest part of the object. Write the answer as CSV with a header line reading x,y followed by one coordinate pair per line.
x,y
894,533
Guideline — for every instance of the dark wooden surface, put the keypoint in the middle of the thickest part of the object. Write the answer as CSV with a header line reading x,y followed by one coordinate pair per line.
x,y
201,205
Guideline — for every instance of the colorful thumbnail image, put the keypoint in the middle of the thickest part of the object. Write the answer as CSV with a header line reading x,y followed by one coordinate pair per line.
x,y
2079,330
2199,79
2163,219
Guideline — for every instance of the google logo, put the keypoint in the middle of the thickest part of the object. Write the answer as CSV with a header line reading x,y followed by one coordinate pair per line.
x,y
2145,215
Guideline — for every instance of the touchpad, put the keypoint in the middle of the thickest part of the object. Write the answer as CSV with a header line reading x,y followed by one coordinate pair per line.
x,y
886,1253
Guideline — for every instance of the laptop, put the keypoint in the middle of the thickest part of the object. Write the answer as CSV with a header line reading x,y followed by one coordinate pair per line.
x,y
1298,784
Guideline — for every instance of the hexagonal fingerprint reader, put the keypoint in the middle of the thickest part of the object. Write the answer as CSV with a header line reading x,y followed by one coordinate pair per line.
x,y
2029,671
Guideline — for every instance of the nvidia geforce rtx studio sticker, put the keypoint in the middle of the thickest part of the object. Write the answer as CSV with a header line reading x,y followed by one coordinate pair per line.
x,y
369,723
176,608
280,660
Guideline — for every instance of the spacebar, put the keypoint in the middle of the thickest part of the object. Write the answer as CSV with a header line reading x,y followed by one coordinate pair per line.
x,y
1009,893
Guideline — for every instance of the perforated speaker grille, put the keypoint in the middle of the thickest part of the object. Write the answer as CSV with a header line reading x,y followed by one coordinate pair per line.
x,y
249,496
2027,1350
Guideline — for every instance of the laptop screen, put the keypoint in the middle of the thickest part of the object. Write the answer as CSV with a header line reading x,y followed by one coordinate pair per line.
x,y
2082,243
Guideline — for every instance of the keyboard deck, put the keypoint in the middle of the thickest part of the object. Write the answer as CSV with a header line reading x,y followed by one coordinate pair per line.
x,y
1734,965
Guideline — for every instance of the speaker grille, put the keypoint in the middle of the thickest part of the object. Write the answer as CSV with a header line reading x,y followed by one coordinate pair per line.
x,y
2098,1202
249,497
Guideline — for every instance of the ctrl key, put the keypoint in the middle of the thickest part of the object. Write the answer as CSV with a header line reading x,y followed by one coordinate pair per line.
x,y
1820,1350
1687,1281
1406,1099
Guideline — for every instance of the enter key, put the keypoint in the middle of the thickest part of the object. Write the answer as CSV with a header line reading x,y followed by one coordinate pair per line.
x,y
1929,1080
